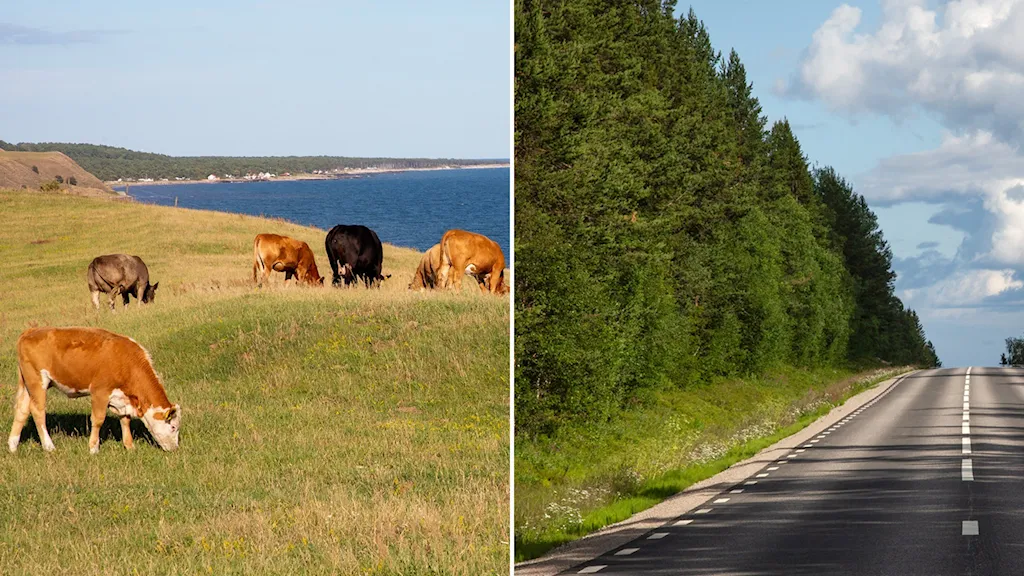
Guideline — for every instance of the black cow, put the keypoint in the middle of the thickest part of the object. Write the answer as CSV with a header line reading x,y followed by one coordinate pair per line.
x,y
120,274
355,252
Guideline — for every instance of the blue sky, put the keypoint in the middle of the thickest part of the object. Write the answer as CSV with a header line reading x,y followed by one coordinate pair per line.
x,y
917,103
398,78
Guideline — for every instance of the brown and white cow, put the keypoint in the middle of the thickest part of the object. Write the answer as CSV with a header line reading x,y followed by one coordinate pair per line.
x,y
283,254
114,370
428,272
473,254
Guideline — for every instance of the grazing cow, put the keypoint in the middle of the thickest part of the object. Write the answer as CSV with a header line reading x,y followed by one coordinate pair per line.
x,y
475,255
114,370
120,274
427,273
355,252
283,254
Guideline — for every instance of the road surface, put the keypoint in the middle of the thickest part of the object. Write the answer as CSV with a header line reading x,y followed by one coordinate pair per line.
x,y
928,478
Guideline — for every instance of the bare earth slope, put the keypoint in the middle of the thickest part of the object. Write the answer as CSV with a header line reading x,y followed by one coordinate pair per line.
x,y
16,172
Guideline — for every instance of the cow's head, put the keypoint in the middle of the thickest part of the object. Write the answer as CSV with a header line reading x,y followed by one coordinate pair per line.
x,y
313,275
149,294
164,424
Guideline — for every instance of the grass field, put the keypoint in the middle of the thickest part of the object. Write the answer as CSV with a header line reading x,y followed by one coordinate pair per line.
x,y
588,477
323,430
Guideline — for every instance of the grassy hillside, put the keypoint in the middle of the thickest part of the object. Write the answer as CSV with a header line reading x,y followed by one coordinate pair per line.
x,y
323,430
16,172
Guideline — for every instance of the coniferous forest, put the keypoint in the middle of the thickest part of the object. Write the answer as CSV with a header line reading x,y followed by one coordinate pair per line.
x,y
666,234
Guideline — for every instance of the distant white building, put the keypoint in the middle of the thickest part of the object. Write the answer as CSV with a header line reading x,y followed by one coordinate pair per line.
x,y
211,177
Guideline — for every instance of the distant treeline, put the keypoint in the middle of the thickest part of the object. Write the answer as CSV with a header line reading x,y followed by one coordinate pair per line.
x,y
111,163
665,236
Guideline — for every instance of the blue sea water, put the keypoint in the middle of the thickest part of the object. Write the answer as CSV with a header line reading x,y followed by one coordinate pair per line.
x,y
405,208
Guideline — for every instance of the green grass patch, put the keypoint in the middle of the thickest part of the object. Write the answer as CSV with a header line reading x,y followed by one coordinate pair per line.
x,y
585,478
324,431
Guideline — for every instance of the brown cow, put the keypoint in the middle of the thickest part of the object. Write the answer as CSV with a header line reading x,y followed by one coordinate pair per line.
x,y
475,255
428,272
121,274
283,254
113,369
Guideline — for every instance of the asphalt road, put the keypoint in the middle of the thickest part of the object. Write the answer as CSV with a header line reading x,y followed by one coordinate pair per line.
x,y
927,479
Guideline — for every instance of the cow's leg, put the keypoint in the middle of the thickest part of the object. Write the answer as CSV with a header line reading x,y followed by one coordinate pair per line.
x,y
125,298
112,296
99,414
37,405
126,432
455,274
494,283
96,299
482,282
21,412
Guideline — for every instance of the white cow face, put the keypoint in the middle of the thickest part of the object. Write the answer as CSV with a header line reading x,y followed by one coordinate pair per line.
x,y
163,424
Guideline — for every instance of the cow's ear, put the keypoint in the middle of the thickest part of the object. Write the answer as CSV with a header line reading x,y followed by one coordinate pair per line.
x,y
172,413
321,281
388,276
155,286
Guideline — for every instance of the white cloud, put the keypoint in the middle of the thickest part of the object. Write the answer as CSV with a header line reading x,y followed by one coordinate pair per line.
x,y
963,62
971,288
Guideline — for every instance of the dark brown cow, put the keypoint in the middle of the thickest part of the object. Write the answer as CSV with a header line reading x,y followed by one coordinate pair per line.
x,y
120,274
427,276
283,254
473,254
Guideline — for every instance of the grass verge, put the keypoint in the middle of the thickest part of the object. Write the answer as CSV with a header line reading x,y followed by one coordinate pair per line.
x,y
587,477
324,431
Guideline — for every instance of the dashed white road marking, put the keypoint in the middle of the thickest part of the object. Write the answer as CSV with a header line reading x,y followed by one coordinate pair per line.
x,y
967,416
791,456
684,522
966,428
967,471
703,511
736,491
721,501
657,536
967,445
812,442
970,528
593,569
773,468
750,483
761,476
808,446
801,451
626,551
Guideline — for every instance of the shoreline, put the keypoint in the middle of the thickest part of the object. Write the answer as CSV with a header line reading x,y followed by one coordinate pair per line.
x,y
351,172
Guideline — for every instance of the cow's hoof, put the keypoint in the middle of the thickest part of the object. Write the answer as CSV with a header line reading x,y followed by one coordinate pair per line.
x,y
94,450
12,443
49,447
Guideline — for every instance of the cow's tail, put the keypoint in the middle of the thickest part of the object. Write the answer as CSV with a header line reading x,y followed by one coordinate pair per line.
x,y
446,260
257,260
332,257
